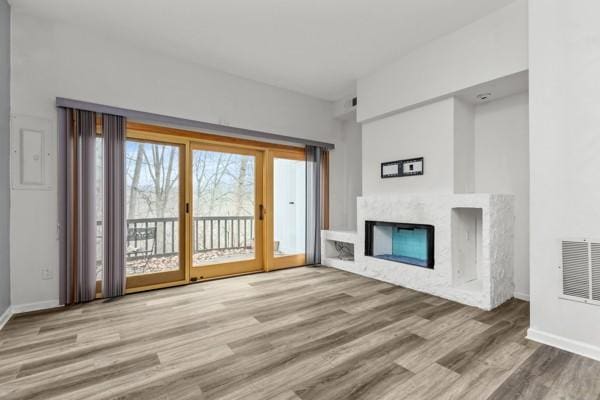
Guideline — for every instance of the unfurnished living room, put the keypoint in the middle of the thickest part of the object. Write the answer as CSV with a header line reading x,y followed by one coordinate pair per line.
x,y
298,200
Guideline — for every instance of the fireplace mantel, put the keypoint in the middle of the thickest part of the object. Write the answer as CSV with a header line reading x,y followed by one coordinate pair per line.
x,y
473,249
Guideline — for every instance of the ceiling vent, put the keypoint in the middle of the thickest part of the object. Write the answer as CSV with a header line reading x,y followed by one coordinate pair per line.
x,y
581,270
345,108
484,96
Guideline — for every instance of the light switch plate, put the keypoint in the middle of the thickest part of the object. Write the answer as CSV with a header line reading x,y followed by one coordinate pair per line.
x,y
47,274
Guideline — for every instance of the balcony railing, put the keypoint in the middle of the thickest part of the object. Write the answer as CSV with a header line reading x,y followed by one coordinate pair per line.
x,y
208,233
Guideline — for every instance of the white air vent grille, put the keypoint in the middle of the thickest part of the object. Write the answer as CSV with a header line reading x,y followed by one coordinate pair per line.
x,y
595,266
576,269
581,270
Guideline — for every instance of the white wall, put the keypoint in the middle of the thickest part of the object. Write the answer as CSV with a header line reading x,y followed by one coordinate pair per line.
x,y
352,139
4,156
502,166
464,147
427,132
51,60
489,48
564,83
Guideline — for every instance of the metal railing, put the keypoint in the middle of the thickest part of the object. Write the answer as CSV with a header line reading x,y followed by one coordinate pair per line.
x,y
208,233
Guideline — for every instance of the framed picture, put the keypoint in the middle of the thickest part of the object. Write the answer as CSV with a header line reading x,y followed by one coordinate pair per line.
x,y
408,167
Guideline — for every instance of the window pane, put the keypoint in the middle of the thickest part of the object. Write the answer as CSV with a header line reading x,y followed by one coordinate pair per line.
x,y
223,199
289,196
152,206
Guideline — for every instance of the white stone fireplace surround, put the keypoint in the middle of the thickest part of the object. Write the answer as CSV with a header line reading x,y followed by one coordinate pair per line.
x,y
473,245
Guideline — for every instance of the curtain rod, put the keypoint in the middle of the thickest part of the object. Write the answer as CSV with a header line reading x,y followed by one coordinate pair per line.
x,y
143,116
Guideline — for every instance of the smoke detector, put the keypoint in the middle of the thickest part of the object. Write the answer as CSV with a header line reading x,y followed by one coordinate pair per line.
x,y
483,96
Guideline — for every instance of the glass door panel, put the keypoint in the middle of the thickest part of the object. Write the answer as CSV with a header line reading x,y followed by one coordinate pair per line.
x,y
154,207
226,212
289,206
289,209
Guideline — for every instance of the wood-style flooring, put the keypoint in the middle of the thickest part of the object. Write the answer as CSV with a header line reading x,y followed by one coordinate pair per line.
x,y
298,334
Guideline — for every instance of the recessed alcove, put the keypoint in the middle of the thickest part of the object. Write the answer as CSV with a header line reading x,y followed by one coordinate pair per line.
x,y
338,246
466,246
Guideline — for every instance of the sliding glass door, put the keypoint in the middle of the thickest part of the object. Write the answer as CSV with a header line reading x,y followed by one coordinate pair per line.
x,y
155,207
227,210
200,209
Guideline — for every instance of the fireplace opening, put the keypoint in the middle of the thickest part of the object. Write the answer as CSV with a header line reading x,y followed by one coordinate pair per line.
x,y
400,242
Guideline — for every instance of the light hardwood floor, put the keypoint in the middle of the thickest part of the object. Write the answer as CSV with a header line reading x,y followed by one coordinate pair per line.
x,y
299,334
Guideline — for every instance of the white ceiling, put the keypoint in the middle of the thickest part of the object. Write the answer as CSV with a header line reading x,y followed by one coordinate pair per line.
x,y
317,47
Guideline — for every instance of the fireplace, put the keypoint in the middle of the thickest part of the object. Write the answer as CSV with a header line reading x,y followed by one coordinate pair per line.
x,y
400,242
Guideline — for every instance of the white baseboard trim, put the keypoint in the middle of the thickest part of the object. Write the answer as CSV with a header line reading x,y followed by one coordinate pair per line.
x,y
5,317
37,306
573,346
522,296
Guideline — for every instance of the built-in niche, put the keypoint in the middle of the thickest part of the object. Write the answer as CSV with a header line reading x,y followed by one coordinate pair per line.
x,y
466,247
338,249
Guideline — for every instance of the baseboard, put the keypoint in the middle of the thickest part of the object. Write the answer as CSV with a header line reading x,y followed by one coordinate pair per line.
x,y
522,296
573,346
5,316
37,306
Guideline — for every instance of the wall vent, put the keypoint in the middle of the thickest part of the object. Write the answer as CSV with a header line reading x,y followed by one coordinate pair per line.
x,y
595,266
581,270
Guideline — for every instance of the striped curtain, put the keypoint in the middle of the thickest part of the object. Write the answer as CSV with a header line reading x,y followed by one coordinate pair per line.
x,y
315,202
77,206
81,207
113,129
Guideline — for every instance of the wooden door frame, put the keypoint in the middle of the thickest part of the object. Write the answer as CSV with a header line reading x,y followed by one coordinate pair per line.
x,y
148,281
198,273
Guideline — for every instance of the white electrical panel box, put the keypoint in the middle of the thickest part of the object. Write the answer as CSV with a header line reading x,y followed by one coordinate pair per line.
x,y
32,153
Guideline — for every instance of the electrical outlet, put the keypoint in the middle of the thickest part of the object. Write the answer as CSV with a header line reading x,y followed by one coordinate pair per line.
x,y
47,274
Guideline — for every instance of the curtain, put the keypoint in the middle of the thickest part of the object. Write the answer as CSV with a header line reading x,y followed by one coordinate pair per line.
x,y
113,129
315,203
79,229
77,206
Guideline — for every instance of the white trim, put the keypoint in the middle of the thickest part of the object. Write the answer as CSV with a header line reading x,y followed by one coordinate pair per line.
x,y
5,317
27,307
573,346
522,296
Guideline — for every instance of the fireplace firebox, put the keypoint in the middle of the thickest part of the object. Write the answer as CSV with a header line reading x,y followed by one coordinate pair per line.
x,y
400,242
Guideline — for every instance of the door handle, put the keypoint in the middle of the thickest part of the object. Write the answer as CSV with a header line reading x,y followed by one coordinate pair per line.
x,y
261,212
